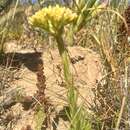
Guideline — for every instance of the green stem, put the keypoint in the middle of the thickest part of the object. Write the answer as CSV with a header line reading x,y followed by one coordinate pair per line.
x,y
72,94
65,60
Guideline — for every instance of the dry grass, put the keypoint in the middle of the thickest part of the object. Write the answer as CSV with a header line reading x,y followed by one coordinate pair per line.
x,y
103,34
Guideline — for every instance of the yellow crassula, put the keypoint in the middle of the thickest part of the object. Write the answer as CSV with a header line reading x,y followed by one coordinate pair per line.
x,y
52,18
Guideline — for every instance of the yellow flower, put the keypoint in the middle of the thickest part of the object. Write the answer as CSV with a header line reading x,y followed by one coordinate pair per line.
x,y
53,18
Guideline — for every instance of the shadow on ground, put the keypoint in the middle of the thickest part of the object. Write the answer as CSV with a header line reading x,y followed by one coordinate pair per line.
x,y
62,114
16,60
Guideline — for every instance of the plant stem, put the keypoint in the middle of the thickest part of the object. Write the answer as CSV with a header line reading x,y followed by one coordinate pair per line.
x,y
65,61
71,94
121,113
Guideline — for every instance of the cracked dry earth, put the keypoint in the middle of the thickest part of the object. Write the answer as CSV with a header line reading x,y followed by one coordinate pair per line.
x,y
86,68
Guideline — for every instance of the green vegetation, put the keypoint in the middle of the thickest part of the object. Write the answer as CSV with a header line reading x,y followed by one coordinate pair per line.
x,y
98,26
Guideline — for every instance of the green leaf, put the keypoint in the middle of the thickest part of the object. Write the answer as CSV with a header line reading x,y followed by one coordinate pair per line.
x,y
39,118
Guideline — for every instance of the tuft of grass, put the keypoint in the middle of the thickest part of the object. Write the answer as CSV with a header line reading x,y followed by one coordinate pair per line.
x,y
5,22
109,93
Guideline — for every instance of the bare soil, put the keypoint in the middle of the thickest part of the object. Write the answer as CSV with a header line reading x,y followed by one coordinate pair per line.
x,y
86,68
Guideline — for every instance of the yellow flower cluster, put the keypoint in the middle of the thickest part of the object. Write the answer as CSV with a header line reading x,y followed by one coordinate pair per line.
x,y
52,18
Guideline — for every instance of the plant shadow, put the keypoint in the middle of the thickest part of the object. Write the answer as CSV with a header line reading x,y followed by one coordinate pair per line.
x,y
62,114
16,60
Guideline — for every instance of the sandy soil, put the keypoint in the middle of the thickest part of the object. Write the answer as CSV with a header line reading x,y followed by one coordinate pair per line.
x,y
86,69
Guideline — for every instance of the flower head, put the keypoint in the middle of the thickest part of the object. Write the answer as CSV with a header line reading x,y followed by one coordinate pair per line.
x,y
52,18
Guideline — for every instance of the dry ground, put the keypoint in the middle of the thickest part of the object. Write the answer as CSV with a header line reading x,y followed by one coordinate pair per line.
x,y
86,69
